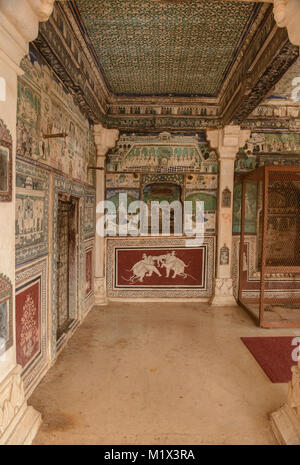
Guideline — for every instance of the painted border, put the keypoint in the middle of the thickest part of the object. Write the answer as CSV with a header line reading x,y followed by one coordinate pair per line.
x,y
36,368
113,244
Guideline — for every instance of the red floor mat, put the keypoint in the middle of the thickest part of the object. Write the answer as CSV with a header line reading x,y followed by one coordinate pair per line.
x,y
275,355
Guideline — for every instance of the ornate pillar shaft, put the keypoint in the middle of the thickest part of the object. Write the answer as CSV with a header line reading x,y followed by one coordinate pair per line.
x,y
19,22
105,139
227,141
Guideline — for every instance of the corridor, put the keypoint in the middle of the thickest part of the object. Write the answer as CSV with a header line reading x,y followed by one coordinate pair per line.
x,y
159,374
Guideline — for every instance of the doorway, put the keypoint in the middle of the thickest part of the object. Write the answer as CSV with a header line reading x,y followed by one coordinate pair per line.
x,y
67,263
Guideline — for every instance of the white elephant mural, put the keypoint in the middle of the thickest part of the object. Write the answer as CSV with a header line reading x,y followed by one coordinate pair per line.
x,y
154,264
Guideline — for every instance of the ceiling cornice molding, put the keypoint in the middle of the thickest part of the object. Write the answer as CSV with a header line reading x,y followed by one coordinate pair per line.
x,y
272,124
159,100
65,7
161,123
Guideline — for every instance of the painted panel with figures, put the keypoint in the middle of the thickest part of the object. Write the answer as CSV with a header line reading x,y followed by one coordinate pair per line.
x,y
159,267
32,203
43,109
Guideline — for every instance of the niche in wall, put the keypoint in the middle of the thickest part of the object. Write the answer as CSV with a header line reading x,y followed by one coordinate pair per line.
x,y
160,192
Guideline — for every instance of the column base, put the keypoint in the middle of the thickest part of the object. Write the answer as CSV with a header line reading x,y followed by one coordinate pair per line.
x,y
99,301
223,293
223,301
100,292
19,423
285,424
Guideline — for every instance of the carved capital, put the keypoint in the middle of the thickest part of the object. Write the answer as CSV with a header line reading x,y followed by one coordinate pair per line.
x,y
20,25
105,139
42,8
227,140
287,14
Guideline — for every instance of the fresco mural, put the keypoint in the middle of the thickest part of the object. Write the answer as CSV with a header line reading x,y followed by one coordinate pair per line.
x,y
32,199
200,181
250,208
167,164
43,109
161,191
113,196
4,319
162,153
268,148
89,214
210,206
159,267
5,163
122,180
88,272
6,322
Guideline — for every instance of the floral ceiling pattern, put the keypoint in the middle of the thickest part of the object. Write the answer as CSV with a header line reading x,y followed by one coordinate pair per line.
x,y
151,47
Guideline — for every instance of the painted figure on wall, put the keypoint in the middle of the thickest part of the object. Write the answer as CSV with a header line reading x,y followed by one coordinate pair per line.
x,y
250,207
4,160
4,308
88,272
44,108
209,199
151,154
161,267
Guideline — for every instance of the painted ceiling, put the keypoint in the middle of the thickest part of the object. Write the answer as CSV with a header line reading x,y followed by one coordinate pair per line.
x,y
153,47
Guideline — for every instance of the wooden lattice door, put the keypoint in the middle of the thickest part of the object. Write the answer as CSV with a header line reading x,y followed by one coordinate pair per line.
x,y
65,259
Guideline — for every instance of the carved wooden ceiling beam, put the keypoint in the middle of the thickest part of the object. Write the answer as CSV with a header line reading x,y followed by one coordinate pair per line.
x,y
269,56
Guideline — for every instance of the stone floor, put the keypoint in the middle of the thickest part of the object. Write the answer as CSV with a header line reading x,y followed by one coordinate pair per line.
x,y
139,373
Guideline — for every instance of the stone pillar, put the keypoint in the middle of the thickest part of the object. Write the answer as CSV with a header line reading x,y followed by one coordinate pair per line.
x,y
285,422
287,14
105,139
19,22
227,141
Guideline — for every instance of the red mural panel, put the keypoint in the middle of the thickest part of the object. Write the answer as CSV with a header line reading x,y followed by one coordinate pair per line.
x,y
27,323
88,272
160,267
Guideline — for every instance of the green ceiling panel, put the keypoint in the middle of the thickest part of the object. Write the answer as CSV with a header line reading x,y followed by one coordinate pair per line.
x,y
150,47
